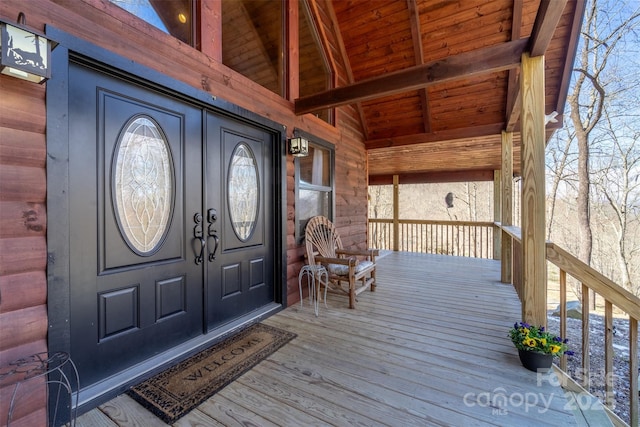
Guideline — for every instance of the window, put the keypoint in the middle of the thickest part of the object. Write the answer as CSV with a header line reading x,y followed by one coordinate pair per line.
x,y
253,41
315,73
174,17
314,184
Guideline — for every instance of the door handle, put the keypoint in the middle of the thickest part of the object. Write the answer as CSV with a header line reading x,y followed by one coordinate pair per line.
x,y
212,216
197,233
212,233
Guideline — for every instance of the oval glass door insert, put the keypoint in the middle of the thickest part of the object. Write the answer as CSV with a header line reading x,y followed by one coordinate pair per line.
x,y
143,185
243,191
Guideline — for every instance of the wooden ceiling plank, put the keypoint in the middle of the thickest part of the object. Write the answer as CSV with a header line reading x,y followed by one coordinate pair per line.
x,y
487,60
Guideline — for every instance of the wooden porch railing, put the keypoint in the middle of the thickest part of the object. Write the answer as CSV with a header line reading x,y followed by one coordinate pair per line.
x,y
614,296
459,238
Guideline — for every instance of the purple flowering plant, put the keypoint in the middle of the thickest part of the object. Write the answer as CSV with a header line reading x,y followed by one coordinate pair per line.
x,y
535,338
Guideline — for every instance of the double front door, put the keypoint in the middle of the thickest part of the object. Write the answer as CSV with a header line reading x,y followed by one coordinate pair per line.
x,y
171,231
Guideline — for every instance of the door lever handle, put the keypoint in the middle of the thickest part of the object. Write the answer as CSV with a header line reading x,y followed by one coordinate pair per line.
x,y
200,257
212,233
197,233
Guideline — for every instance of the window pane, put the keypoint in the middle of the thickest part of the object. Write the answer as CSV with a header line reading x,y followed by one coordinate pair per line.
x,y
315,168
173,17
143,186
243,191
252,40
310,204
314,71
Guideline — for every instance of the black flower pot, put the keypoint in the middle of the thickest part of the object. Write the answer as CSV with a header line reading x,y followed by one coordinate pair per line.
x,y
536,362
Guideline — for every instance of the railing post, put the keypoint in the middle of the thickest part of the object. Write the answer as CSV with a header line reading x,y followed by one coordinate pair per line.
x,y
396,213
506,216
497,212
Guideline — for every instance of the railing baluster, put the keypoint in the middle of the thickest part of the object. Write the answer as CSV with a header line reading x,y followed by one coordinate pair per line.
x,y
563,313
633,371
609,398
586,361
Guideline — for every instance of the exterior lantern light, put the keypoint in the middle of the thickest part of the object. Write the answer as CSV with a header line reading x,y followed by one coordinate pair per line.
x,y
25,53
298,147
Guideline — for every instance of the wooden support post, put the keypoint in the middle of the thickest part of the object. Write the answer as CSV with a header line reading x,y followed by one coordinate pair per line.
x,y
292,59
534,271
497,212
396,213
506,216
210,26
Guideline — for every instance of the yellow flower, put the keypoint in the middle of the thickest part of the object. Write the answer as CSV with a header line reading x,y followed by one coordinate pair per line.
x,y
543,341
554,349
525,331
530,342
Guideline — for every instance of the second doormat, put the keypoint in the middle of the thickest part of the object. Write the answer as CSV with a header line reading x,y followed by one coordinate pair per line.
x,y
176,391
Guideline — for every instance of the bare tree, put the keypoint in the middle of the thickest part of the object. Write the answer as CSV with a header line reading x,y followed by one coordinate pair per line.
x,y
617,182
596,86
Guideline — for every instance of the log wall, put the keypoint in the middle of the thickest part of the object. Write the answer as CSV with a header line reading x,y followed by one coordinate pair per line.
x,y
23,223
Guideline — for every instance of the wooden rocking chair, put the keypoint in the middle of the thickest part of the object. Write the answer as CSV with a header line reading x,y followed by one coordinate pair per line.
x,y
355,268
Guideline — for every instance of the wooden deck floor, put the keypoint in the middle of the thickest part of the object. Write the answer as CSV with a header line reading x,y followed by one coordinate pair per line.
x,y
429,347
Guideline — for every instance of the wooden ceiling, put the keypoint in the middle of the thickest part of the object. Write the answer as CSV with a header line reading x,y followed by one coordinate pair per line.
x,y
436,81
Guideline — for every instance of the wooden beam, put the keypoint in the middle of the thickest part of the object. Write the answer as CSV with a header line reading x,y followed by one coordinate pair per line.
x,y
487,60
437,136
433,177
416,35
293,41
506,216
572,48
210,26
513,87
547,19
544,27
534,269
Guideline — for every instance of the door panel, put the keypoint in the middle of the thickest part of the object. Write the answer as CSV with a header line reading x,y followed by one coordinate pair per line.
x,y
238,187
135,183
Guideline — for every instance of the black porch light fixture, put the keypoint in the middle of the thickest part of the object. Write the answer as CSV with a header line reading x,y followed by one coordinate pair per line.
x,y
25,52
298,147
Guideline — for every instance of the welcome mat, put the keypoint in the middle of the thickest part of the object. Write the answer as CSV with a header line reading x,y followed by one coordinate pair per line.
x,y
176,391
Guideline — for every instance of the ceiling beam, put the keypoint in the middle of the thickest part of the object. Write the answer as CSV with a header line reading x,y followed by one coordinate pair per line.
x,y
416,35
434,177
444,135
544,27
487,60
513,88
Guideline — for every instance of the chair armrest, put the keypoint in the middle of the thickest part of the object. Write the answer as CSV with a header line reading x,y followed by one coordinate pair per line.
x,y
343,261
370,253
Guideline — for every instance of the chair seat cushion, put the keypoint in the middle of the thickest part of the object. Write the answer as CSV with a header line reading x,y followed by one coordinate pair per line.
x,y
343,270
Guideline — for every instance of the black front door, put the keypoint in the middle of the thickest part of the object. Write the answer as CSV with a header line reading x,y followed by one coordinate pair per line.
x,y
171,226
240,217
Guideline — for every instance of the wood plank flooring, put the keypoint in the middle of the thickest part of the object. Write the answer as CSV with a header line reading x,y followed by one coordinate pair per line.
x,y
428,348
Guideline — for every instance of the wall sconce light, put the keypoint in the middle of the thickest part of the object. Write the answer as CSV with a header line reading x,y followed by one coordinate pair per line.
x,y
25,53
298,147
